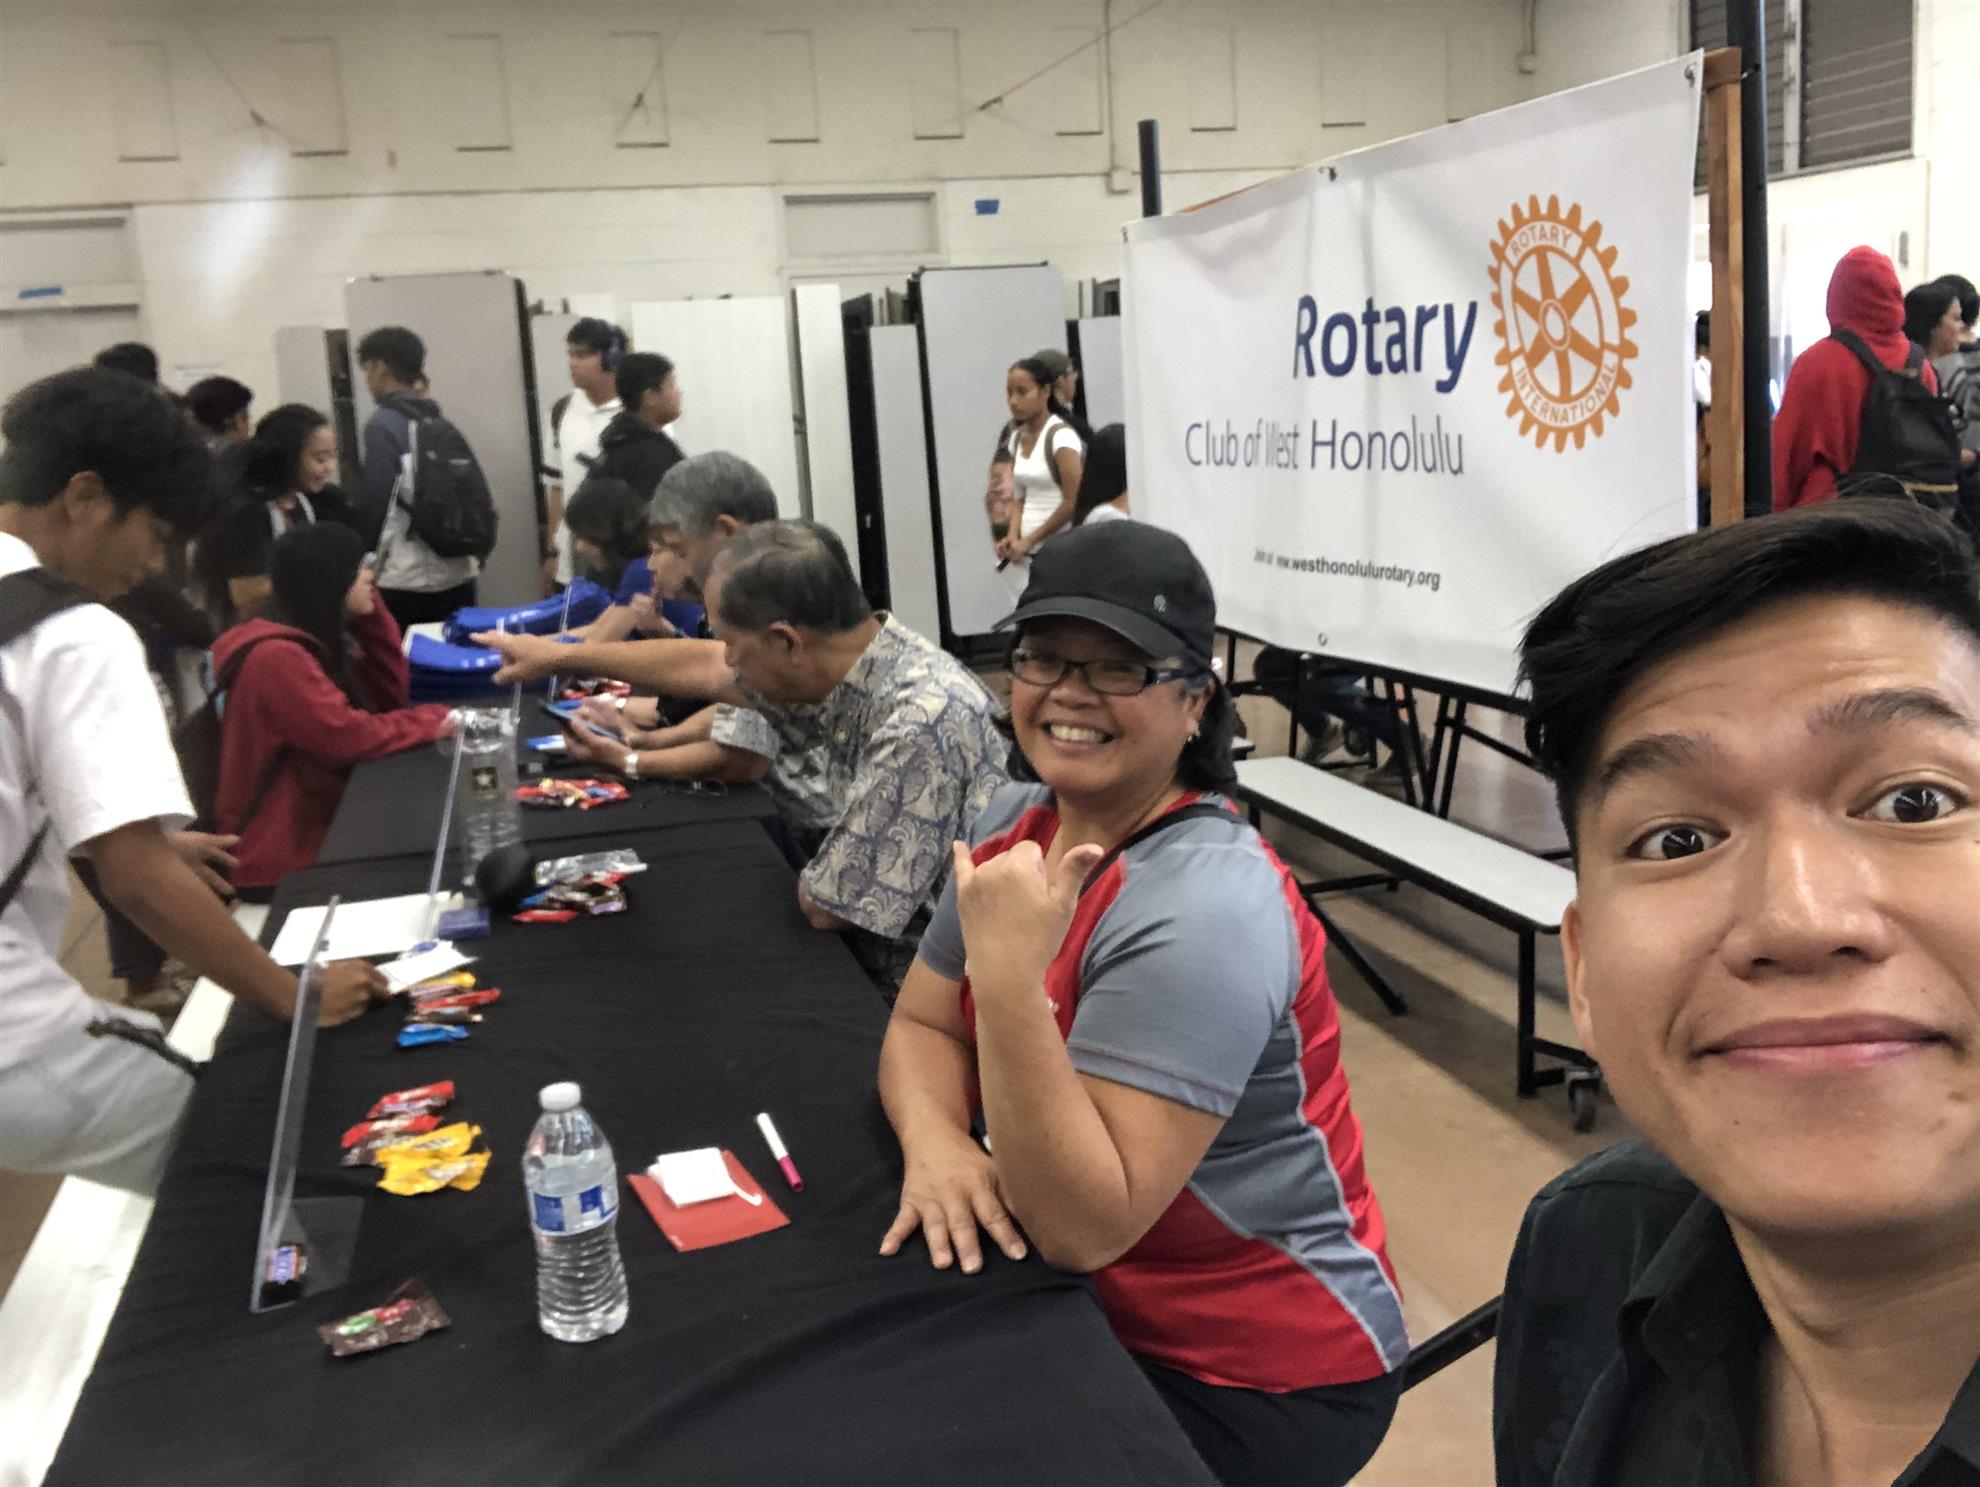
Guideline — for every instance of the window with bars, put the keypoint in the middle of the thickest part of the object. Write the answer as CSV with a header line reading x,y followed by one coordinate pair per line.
x,y
1839,79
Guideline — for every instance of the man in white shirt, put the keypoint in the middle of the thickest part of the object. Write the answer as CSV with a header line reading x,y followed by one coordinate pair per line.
x,y
595,347
97,471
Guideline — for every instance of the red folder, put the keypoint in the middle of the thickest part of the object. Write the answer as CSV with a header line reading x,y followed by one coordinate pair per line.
x,y
717,1221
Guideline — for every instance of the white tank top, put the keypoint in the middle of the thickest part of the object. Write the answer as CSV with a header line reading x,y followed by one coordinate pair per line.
x,y
1033,479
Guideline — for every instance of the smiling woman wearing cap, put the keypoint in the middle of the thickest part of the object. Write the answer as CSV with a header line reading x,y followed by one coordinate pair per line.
x,y
1123,980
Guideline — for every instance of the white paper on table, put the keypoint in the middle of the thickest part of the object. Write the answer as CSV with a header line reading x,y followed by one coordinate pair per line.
x,y
697,1176
367,927
410,970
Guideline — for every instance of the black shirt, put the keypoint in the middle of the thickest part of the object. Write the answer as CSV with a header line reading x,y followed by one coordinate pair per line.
x,y
1629,1340
632,451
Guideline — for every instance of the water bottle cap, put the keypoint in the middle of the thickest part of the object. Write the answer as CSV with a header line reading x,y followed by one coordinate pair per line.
x,y
560,1097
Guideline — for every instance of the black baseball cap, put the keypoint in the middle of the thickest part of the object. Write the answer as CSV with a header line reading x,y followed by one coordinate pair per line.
x,y
1139,581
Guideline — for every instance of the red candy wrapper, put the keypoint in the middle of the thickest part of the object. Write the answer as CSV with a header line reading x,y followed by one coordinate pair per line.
x,y
583,795
459,999
391,1126
419,1100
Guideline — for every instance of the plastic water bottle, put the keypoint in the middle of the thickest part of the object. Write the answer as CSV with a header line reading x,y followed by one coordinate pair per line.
x,y
490,817
573,1211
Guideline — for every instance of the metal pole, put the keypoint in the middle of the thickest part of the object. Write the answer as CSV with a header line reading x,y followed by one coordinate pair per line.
x,y
446,827
1746,22
1151,167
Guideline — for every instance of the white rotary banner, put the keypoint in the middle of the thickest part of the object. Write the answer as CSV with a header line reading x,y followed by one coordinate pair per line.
x,y
1396,401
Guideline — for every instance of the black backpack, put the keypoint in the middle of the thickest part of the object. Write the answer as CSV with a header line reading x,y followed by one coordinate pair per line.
x,y
1908,440
446,497
26,599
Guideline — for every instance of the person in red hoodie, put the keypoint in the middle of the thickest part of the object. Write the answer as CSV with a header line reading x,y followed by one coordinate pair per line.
x,y
321,684
1815,433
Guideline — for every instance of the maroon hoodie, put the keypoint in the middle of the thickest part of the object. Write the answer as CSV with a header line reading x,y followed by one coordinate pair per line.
x,y
1821,413
283,699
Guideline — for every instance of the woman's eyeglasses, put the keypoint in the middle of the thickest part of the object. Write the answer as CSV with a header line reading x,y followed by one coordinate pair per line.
x,y
1110,678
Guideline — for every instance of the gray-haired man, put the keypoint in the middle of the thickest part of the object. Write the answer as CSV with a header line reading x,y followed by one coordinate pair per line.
x,y
885,745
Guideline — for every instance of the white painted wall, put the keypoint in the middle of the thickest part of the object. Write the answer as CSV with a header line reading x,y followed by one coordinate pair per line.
x,y
1948,133
240,233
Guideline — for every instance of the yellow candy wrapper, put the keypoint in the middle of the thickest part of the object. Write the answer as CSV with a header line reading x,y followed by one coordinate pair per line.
x,y
429,1175
448,1141
445,985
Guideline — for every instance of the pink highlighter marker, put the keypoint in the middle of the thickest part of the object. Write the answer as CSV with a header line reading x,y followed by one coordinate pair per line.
x,y
776,1145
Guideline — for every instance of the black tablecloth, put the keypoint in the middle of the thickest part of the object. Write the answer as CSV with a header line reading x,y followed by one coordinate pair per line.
x,y
391,808
799,1356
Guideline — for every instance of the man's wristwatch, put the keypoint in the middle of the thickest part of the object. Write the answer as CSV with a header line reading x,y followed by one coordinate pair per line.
x,y
630,767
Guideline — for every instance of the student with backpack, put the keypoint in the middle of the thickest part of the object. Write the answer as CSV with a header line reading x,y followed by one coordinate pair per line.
x,y
317,685
97,469
1861,412
282,478
424,504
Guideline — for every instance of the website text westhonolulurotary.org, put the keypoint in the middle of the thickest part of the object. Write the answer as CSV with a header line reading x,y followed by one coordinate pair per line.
x,y
1361,568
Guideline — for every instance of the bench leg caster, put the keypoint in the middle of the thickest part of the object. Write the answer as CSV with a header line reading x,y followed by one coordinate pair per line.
x,y
1584,1088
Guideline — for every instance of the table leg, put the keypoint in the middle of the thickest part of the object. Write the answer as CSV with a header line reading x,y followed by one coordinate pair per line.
x,y
1391,998
1528,1083
1451,759
1299,696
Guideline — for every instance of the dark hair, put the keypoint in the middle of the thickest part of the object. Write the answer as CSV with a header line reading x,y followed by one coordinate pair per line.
x,y
792,573
136,439
311,569
1205,762
1003,456
1105,476
610,515
215,402
1039,372
1604,630
639,374
1969,298
275,452
593,334
1925,306
1701,331
397,349
133,357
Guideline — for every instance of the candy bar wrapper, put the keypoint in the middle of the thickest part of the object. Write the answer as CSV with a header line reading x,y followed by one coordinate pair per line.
x,y
415,1101
445,985
417,1034
392,1128
443,1016
429,1175
562,902
426,1144
588,865
457,999
565,794
448,1141
408,1316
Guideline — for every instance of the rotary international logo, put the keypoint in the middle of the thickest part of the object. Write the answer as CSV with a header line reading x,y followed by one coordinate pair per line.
x,y
1563,329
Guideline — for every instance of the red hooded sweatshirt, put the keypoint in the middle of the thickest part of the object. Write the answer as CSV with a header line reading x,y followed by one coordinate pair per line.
x,y
1822,405
282,698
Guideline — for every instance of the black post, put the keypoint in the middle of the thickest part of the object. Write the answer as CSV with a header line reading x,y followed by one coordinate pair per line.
x,y
1151,168
1746,22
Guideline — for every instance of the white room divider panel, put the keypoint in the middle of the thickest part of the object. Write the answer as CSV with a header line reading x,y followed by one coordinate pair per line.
x,y
906,506
733,361
975,322
821,340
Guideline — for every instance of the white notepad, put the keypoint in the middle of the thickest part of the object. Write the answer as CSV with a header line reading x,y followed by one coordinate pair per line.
x,y
368,927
